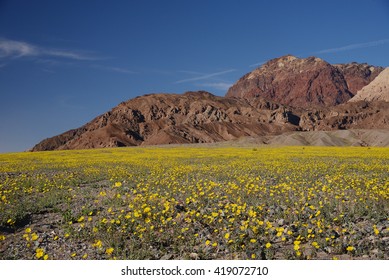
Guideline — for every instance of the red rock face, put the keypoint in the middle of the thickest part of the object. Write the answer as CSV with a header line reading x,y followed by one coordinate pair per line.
x,y
304,83
358,75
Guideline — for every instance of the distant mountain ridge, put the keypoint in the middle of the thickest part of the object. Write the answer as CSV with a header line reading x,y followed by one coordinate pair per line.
x,y
286,94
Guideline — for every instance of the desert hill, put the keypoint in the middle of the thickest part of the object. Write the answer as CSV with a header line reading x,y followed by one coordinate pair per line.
x,y
286,95
193,117
305,82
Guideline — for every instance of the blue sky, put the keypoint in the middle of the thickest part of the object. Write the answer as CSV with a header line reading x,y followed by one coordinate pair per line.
x,y
62,63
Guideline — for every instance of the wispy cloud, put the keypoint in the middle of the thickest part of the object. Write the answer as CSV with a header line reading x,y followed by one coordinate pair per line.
x,y
354,46
69,54
218,86
191,72
9,48
18,49
203,76
114,69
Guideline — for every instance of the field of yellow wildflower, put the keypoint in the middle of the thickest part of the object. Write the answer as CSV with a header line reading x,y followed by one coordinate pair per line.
x,y
196,202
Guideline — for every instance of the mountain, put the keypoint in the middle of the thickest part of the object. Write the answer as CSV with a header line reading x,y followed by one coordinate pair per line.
x,y
284,95
305,82
200,117
193,117
378,89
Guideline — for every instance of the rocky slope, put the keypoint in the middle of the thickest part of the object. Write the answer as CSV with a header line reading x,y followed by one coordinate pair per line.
x,y
351,115
378,89
304,83
193,117
200,117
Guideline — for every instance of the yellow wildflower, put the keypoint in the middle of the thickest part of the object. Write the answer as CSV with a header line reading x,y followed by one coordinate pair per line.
x,y
296,242
98,244
350,248
109,251
34,236
39,252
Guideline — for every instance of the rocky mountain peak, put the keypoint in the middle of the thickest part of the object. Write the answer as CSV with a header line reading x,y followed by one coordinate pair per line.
x,y
304,82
